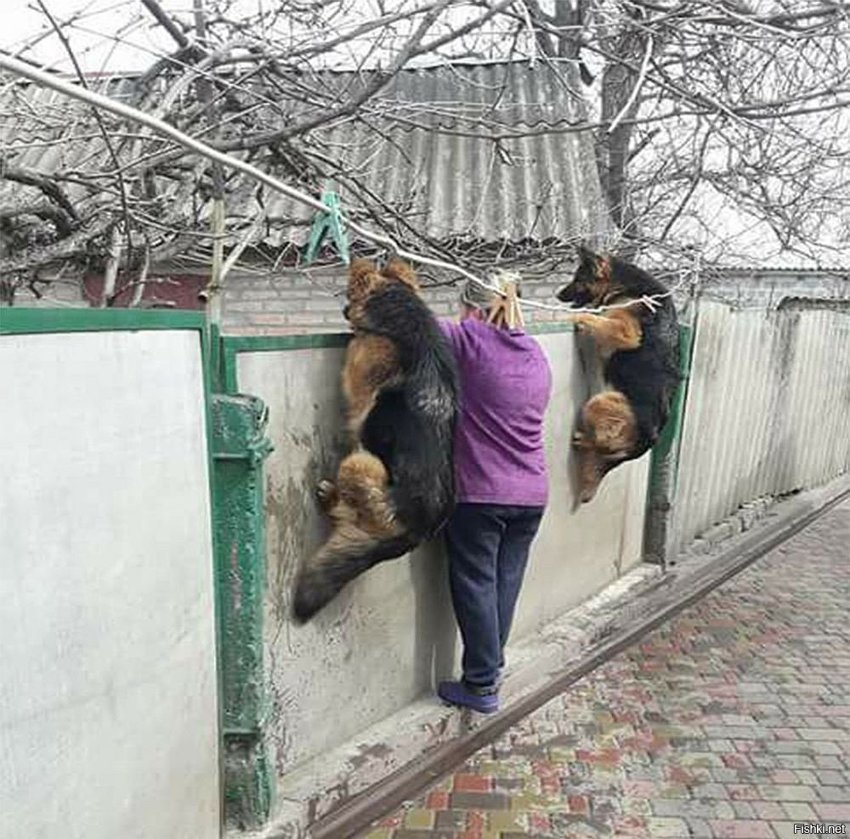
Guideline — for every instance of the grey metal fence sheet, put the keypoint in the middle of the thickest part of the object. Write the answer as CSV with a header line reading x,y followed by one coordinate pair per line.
x,y
768,411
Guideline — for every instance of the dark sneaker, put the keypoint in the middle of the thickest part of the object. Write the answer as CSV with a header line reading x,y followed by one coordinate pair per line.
x,y
457,693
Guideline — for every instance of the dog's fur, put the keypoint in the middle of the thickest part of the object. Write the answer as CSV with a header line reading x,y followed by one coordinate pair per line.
x,y
640,351
397,486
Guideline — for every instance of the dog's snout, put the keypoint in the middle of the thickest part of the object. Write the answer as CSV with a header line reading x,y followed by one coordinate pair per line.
x,y
566,293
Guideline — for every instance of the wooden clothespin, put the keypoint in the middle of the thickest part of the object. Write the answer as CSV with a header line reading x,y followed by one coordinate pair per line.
x,y
330,220
506,311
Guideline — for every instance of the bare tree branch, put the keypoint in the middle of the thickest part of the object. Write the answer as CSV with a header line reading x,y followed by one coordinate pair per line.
x,y
166,23
122,188
690,106
48,187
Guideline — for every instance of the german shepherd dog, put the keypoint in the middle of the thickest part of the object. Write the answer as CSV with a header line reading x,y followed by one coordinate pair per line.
x,y
639,347
396,488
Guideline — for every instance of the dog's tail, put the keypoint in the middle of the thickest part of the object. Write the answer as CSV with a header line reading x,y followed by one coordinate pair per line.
x,y
348,553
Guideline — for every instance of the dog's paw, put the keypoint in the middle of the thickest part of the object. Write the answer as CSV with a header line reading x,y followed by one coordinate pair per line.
x,y
579,323
326,493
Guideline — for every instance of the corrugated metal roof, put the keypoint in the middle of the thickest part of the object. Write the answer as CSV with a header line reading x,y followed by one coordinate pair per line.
x,y
766,271
459,95
484,152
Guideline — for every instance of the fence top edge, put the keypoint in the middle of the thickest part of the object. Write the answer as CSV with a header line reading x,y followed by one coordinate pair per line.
x,y
334,340
21,321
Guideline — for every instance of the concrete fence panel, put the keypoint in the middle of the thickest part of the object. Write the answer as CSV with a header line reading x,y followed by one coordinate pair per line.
x,y
391,634
108,696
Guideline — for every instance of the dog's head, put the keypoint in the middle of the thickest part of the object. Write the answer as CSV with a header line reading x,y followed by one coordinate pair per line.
x,y
592,281
364,279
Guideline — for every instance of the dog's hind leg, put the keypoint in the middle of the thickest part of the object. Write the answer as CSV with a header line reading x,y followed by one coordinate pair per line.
x,y
608,424
362,482
607,434
591,470
364,533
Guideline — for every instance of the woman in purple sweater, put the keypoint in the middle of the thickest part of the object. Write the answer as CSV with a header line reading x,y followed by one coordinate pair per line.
x,y
501,483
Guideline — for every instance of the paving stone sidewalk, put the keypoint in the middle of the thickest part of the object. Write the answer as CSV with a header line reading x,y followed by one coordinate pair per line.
x,y
732,720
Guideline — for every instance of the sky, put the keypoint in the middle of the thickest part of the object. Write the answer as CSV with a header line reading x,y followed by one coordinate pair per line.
x,y
97,24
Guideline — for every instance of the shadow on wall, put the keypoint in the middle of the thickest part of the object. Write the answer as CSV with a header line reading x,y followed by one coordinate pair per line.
x,y
297,526
436,638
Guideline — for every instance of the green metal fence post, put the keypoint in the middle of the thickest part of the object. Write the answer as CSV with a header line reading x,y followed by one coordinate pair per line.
x,y
239,449
665,460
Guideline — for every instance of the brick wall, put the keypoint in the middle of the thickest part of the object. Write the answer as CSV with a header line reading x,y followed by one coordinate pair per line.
x,y
55,295
312,301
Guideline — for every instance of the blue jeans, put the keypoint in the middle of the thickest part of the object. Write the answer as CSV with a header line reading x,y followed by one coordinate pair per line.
x,y
488,546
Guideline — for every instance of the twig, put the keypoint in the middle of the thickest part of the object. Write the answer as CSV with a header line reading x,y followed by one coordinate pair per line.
x,y
166,23
233,256
110,275
49,187
533,59
140,284
637,87
412,49
122,187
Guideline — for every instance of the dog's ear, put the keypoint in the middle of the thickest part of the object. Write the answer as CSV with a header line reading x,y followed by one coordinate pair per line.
x,y
586,255
361,276
603,269
600,266
397,269
360,269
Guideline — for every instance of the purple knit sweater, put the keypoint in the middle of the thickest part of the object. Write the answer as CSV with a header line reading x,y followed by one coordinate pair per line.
x,y
505,386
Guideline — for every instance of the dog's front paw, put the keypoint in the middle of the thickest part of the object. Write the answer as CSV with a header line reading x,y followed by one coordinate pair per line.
x,y
580,322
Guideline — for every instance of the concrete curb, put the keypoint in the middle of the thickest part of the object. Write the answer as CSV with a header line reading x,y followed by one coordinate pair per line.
x,y
341,793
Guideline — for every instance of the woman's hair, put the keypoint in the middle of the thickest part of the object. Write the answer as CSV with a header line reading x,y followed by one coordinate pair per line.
x,y
500,301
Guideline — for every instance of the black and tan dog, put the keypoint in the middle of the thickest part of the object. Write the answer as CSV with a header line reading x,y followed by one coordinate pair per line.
x,y
396,488
639,346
